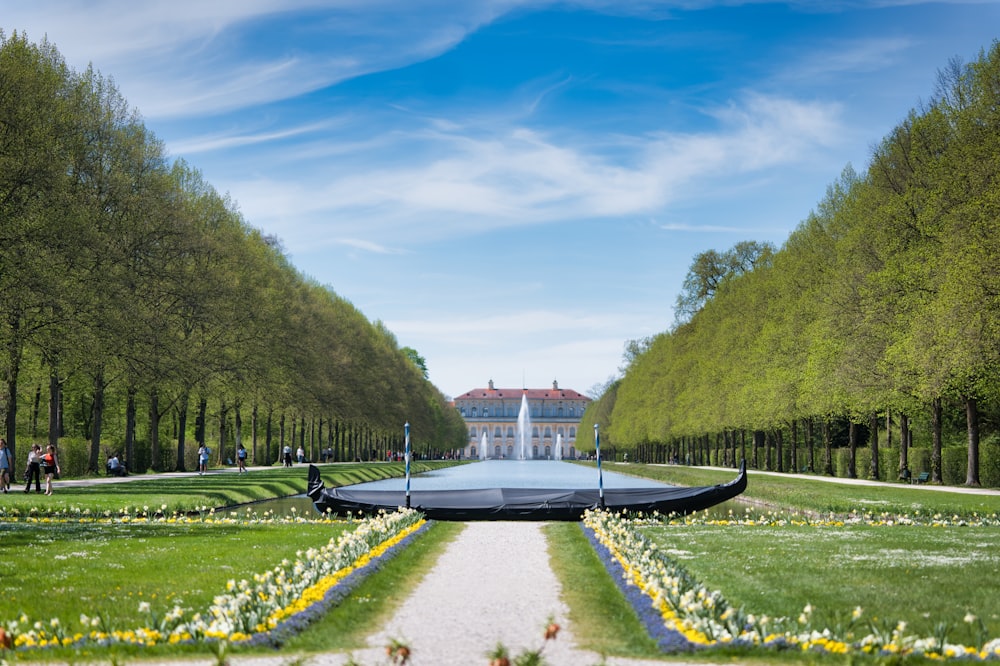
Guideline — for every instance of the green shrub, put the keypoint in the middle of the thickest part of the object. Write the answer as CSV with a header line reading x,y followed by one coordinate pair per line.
x,y
989,461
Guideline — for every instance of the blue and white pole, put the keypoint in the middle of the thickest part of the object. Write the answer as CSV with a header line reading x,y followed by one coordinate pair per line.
x,y
406,428
600,475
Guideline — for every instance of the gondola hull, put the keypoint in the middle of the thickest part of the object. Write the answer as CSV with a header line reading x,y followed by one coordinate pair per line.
x,y
520,503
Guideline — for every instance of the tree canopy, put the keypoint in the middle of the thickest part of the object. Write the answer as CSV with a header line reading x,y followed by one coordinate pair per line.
x,y
126,279
885,299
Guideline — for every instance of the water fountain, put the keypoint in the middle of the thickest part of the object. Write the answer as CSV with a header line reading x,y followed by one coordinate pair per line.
x,y
557,454
524,430
482,446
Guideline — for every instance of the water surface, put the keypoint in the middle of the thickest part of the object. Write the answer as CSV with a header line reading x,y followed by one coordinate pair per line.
x,y
512,474
484,474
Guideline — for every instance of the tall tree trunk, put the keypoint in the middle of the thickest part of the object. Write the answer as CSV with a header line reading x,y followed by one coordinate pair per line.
x,y
972,428
936,444
768,448
36,411
182,416
852,447
130,463
302,434
888,429
253,433
154,430
54,406
329,439
15,351
779,450
237,423
281,436
795,445
873,424
904,448
267,435
338,439
810,442
312,440
223,431
827,448
201,422
96,421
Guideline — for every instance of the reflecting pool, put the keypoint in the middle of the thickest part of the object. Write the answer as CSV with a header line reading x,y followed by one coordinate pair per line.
x,y
483,474
512,474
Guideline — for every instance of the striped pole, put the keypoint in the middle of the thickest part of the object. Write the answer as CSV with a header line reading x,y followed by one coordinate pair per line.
x,y
406,428
600,475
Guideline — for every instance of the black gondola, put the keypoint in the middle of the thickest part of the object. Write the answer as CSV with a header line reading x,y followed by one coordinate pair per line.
x,y
521,503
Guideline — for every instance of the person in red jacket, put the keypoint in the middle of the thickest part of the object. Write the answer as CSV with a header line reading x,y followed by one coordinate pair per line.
x,y
50,467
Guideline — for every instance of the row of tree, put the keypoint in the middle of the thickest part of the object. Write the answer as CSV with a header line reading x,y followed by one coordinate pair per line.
x,y
134,291
884,301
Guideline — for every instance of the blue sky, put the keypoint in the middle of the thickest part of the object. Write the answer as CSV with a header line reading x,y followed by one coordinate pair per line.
x,y
516,188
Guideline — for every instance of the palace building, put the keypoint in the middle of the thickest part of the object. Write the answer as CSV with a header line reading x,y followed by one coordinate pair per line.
x,y
491,415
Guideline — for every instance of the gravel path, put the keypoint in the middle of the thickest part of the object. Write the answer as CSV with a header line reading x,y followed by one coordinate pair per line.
x,y
493,584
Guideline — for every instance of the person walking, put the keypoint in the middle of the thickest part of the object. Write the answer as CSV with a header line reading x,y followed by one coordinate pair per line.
x,y
241,459
50,466
6,465
300,454
34,469
203,453
286,455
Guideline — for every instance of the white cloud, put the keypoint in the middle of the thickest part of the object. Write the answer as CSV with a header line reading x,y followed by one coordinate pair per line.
x,y
465,181
191,57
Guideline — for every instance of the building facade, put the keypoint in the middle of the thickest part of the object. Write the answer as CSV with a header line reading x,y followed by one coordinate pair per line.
x,y
491,416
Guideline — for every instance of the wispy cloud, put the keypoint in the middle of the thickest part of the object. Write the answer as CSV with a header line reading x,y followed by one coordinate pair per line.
x,y
190,57
823,61
368,246
703,228
519,176
202,144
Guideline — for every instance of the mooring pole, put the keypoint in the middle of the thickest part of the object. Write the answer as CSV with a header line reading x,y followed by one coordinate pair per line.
x,y
600,475
406,428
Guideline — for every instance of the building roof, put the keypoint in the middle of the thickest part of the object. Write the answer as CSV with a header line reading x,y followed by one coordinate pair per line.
x,y
490,393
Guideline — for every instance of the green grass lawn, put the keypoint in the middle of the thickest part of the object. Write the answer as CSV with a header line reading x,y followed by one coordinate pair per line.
x,y
809,493
925,576
194,493
65,570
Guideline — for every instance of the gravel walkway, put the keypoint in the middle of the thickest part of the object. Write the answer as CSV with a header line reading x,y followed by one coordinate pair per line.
x,y
492,584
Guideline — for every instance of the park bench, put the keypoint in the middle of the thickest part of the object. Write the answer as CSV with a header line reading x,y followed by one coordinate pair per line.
x,y
923,477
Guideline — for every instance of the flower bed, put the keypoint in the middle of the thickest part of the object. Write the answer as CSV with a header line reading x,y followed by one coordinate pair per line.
x,y
265,609
682,614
